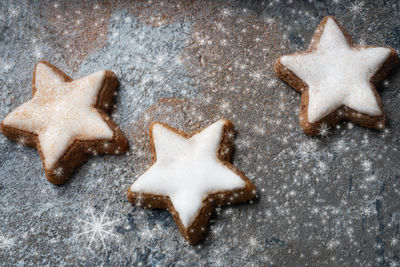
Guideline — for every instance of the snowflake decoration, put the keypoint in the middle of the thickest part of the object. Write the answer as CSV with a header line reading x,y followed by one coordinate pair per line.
x,y
323,130
333,244
256,75
38,53
7,66
386,83
394,241
366,165
97,227
21,141
356,8
381,125
6,242
13,12
59,172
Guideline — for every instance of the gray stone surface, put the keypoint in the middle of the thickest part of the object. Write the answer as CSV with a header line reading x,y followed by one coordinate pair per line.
x,y
331,200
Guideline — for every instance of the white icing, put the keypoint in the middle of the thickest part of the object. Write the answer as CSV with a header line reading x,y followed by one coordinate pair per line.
x,y
187,170
61,112
338,74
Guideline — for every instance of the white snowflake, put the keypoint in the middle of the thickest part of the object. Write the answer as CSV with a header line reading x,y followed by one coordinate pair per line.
x,y
333,243
366,165
13,12
38,53
272,83
341,146
386,83
97,227
368,211
356,8
394,241
225,106
323,130
371,178
7,66
256,75
128,20
59,172
259,130
322,166
21,141
5,241
381,125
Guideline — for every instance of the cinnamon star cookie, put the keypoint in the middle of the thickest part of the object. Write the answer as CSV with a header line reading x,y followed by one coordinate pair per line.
x,y
336,79
190,174
66,120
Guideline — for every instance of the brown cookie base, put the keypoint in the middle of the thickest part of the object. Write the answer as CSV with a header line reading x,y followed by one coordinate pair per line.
x,y
343,112
78,150
198,228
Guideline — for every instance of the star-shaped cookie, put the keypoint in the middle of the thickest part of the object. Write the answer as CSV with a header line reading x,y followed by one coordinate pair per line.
x,y
66,120
190,174
335,78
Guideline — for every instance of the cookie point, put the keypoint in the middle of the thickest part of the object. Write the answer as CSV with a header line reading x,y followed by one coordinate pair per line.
x,y
329,17
44,64
282,60
224,121
156,124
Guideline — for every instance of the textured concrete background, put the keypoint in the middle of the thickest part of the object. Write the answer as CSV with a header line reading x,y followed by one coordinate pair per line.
x,y
331,200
